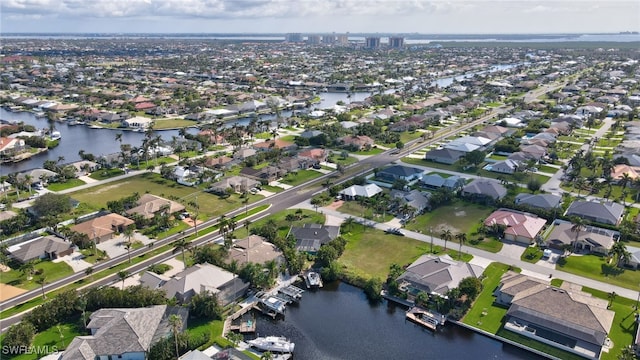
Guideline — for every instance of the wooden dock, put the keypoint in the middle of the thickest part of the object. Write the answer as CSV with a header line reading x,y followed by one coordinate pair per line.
x,y
243,326
430,320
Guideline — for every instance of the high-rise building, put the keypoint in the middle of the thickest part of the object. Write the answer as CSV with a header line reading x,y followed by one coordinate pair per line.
x,y
329,39
396,42
342,39
372,42
293,37
313,39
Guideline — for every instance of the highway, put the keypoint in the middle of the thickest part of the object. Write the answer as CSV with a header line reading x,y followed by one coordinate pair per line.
x,y
277,202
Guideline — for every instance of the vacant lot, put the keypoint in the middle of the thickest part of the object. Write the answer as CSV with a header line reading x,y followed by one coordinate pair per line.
x,y
210,205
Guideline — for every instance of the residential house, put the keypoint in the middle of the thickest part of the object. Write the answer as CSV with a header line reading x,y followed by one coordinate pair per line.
x,y
244,153
588,239
185,175
218,162
632,159
10,147
437,181
468,143
399,172
435,275
137,122
634,258
310,237
308,134
274,144
507,166
512,283
520,227
46,247
238,184
355,191
540,201
416,200
199,278
602,212
618,172
85,167
149,205
36,176
534,151
103,227
357,142
292,164
124,333
254,249
484,189
313,156
444,156
569,319
267,174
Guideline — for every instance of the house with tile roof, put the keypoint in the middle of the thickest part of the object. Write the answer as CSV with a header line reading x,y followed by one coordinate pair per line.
x,y
520,227
103,227
149,205
255,249
435,275
45,247
354,191
566,318
608,212
589,239
124,333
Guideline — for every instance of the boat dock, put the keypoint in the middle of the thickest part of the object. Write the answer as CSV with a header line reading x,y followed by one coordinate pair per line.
x,y
243,326
313,280
291,293
271,305
426,318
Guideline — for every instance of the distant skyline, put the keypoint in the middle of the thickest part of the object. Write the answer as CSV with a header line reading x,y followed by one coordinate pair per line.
x,y
319,16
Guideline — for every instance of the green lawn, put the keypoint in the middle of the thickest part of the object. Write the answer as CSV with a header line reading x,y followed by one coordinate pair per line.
x,y
307,217
289,138
372,151
346,161
106,174
52,271
172,123
71,183
55,337
547,169
355,209
531,254
273,189
597,268
369,253
484,314
300,176
210,205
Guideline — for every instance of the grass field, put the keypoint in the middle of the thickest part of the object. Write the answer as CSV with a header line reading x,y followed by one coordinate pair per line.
x,y
372,151
300,176
210,205
597,268
105,174
52,271
355,209
55,337
346,161
531,255
172,123
307,217
71,183
484,314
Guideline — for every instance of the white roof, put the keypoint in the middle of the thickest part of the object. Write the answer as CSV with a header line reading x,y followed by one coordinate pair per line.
x,y
367,191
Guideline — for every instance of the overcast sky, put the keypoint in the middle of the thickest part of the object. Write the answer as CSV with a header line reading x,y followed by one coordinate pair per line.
x,y
280,16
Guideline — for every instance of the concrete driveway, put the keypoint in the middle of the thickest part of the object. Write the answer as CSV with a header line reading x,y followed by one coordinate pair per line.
x,y
512,250
551,261
115,247
75,260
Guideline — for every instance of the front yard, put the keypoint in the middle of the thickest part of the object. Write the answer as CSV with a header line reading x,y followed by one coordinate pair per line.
x,y
300,176
52,271
597,268
355,209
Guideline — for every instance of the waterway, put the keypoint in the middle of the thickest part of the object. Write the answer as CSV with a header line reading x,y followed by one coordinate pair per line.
x,y
338,322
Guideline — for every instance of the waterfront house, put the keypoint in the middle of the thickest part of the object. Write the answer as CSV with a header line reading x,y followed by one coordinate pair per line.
x,y
310,237
137,122
85,167
355,191
11,146
124,333
484,189
520,227
103,227
254,249
607,212
46,247
149,205
588,239
435,275
566,318
36,176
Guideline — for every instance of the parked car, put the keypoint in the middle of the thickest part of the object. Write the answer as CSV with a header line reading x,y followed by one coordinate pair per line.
x,y
394,231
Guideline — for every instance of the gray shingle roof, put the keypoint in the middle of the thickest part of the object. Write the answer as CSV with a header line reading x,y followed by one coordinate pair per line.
x,y
438,274
606,212
543,201
492,189
311,236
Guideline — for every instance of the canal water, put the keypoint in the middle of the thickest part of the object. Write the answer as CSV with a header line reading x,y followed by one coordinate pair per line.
x,y
338,322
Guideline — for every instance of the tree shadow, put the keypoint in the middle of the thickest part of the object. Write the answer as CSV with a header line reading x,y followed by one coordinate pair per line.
x,y
610,270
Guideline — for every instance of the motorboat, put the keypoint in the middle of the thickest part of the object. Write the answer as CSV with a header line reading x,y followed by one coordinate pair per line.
x,y
277,344
313,279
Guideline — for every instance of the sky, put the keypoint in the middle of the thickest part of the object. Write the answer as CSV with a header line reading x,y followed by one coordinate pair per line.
x,y
318,16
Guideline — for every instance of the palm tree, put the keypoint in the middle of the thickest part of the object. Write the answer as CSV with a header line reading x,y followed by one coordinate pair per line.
x,y
28,269
128,234
175,321
88,271
247,223
267,355
182,245
42,281
348,222
446,235
462,238
577,227
619,252
123,275
612,296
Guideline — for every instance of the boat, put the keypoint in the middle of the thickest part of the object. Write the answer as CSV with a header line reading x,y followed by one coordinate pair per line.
x,y
55,135
313,279
39,114
277,344
428,319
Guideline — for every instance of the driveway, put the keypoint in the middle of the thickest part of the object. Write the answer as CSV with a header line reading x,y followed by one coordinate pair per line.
x,y
115,247
551,261
75,260
333,220
512,250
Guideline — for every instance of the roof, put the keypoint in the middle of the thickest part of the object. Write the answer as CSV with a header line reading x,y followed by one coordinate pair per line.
x,y
606,212
103,225
277,143
149,205
543,201
400,171
311,236
485,187
38,247
120,331
575,314
414,198
619,170
196,278
367,190
596,237
517,223
445,153
438,274
253,249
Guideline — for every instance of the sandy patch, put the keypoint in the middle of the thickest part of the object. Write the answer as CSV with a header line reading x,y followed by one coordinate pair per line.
x,y
189,221
335,205
443,227
8,291
110,187
460,213
4,268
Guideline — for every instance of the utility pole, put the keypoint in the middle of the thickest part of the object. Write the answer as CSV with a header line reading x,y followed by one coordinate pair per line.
x,y
431,233
195,219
